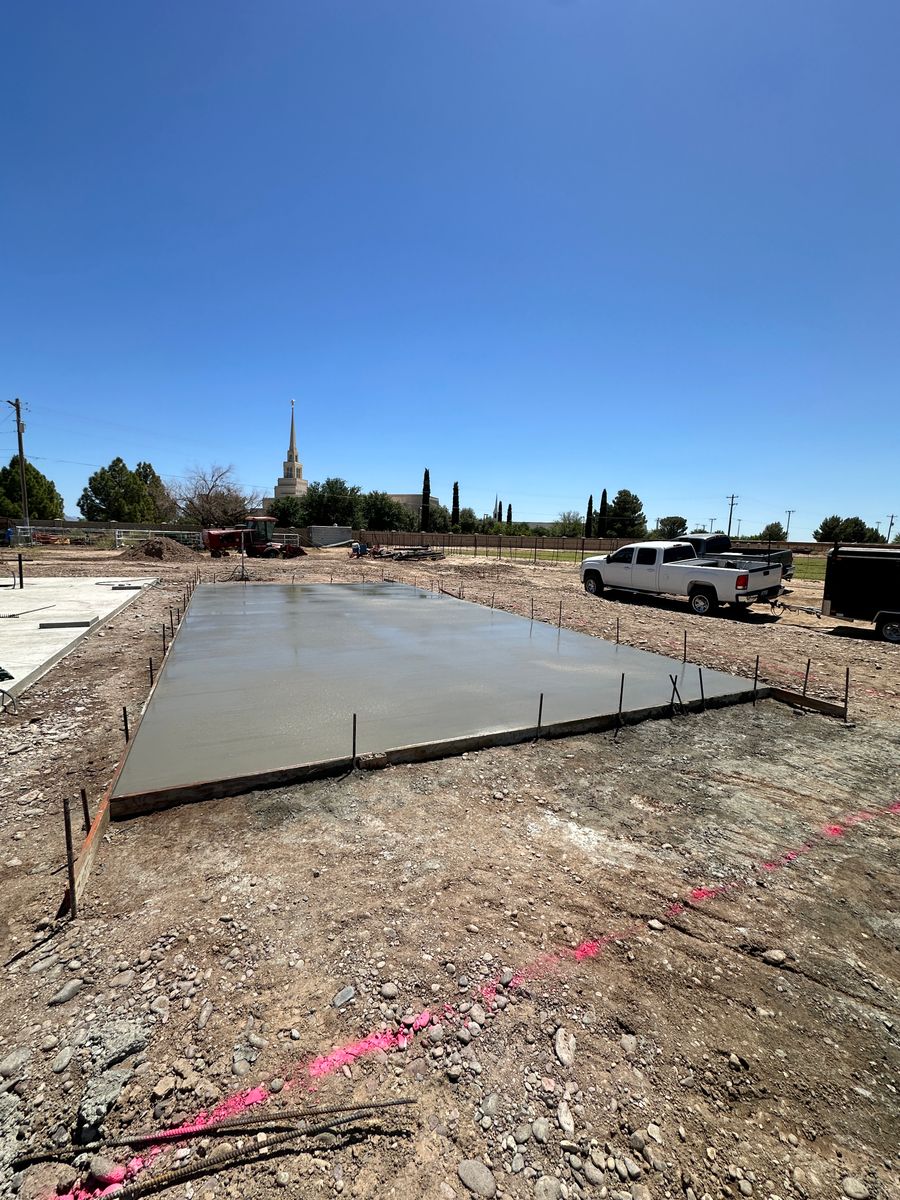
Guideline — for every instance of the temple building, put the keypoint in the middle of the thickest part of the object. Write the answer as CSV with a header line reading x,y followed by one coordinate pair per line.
x,y
291,483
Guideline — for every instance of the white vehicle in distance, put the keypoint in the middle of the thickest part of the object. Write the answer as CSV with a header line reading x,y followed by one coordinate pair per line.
x,y
674,569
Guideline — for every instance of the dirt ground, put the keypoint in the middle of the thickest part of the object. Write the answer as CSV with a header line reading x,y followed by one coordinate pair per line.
x,y
663,964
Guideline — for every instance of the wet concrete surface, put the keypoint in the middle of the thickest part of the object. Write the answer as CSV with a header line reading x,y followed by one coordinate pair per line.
x,y
264,677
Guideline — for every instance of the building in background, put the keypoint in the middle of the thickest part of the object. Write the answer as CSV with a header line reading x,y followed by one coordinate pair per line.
x,y
291,483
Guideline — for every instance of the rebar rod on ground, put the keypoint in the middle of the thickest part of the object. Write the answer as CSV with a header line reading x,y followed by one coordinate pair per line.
x,y
297,1113
214,1161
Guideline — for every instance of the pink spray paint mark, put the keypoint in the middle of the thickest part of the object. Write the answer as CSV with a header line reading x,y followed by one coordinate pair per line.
x,y
382,1040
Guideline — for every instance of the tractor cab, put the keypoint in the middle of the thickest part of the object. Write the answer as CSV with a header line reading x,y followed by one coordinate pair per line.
x,y
260,529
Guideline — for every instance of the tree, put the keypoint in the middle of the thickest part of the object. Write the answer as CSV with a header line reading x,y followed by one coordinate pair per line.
x,y
440,518
670,529
773,532
288,512
626,515
44,501
498,516
212,498
165,506
425,516
509,518
380,512
847,529
589,518
829,530
603,516
468,522
334,502
116,493
568,524
454,511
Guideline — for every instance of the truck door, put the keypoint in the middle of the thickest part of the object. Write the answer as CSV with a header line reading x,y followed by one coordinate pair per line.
x,y
644,571
617,571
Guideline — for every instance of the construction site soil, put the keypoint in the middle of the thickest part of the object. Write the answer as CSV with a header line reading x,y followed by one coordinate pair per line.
x,y
662,963
164,548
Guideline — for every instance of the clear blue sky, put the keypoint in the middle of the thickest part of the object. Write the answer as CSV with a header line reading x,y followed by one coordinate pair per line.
x,y
540,246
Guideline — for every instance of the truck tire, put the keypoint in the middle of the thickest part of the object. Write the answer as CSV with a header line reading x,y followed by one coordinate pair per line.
x,y
888,629
593,584
703,601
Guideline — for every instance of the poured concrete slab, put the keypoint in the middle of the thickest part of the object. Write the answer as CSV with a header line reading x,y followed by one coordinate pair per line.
x,y
51,617
262,681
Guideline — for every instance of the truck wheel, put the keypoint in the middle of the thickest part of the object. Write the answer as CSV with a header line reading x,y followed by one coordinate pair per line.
x,y
703,601
593,583
889,629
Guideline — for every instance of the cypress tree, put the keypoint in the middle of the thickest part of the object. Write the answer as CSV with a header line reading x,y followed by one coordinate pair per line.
x,y
454,511
589,519
603,517
425,519
509,518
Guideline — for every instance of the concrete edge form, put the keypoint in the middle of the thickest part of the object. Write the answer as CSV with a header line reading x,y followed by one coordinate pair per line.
x,y
136,804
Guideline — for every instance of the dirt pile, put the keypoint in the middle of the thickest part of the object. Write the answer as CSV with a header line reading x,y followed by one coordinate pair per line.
x,y
164,548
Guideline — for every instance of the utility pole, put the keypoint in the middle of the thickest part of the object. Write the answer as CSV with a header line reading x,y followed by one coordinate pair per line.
x,y
712,521
739,527
891,526
20,429
787,531
732,500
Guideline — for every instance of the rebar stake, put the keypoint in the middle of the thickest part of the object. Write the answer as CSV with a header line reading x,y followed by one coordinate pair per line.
x,y
684,658
125,722
847,695
70,859
806,677
540,717
354,742
86,812
702,693
755,679
151,670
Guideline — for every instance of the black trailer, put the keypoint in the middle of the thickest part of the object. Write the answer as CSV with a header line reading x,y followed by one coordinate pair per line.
x,y
862,583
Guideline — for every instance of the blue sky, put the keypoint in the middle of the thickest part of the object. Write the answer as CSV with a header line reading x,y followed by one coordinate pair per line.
x,y
540,246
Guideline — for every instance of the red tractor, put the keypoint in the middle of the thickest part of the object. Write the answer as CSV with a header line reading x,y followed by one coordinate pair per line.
x,y
254,535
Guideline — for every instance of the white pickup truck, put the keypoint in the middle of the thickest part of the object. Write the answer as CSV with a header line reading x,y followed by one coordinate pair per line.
x,y
673,568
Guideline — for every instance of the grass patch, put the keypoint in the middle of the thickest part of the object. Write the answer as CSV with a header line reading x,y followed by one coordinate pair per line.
x,y
809,568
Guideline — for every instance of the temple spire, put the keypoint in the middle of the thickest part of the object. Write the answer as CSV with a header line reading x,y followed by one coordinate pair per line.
x,y
292,446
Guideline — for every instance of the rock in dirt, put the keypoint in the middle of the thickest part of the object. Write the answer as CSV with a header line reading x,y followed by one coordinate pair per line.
x,y
774,957
854,1188
476,1177
547,1188
564,1045
62,1060
66,992
99,1096
14,1062
565,1118
344,996
117,1040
